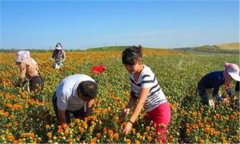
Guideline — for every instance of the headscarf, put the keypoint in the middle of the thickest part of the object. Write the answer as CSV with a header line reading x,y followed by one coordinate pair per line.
x,y
58,46
22,55
231,72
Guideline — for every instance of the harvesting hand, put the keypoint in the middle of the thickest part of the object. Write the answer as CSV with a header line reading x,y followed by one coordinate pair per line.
x,y
17,84
219,98
230,93
127,128
126,111
225,101
222,100
50,59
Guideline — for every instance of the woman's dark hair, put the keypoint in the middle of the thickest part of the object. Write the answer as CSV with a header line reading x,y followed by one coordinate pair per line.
x,y
130,54
88,89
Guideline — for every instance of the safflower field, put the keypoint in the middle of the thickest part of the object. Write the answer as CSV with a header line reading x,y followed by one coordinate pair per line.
x,y
27,118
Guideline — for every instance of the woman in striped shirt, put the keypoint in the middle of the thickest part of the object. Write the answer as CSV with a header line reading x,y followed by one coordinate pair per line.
x,y
145,92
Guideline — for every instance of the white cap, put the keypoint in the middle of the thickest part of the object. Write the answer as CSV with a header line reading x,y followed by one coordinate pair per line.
x,y
233,71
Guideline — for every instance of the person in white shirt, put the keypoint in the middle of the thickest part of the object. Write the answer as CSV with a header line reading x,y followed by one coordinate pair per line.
x,y
145,93
75,94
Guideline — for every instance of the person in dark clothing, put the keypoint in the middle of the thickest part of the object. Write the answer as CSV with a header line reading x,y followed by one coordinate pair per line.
x,y
213,81
59,56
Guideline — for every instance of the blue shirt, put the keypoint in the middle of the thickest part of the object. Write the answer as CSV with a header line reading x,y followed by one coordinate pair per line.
x,y
213,80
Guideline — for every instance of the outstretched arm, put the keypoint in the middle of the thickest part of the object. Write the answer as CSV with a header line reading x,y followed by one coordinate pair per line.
x,y
64,56
21,77
137,110
61,116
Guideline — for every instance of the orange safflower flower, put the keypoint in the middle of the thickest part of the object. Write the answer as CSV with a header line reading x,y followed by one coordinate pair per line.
x,y
116,136
70,140
200,125
12,116
128,141
81,130
6,114
9,105
66,132
149,138
8,125
105,130
10,137
93,141
59,127
206,130
187,125
201,141
16,106
110,132
194,126
47,126
59,130
72,124
137,141
94,117
223,139
194,114
148,128
85,125
65,126
170,139
49,135
231,117
98,135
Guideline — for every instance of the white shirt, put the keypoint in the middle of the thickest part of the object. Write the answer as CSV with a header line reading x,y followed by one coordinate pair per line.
x,y
67,98
147,79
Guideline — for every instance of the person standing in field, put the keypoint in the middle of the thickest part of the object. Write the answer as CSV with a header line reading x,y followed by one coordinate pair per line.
x,y
145,92
208,86
59,56
29,76
75,95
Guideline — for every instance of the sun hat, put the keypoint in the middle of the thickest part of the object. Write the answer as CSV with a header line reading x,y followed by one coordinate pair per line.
x,y
58,47
233,70
22,55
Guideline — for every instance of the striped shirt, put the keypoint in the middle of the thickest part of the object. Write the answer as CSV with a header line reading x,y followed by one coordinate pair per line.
x,y
147,79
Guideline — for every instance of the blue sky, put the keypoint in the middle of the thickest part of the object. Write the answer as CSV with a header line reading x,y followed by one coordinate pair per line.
x,y
83,24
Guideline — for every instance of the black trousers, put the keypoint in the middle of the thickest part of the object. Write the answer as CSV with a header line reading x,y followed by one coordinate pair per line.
x,y
77,114
36,83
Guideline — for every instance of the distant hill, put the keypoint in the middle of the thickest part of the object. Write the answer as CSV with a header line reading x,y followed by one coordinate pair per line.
x,y
112,48
117,48
229,46
232,48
